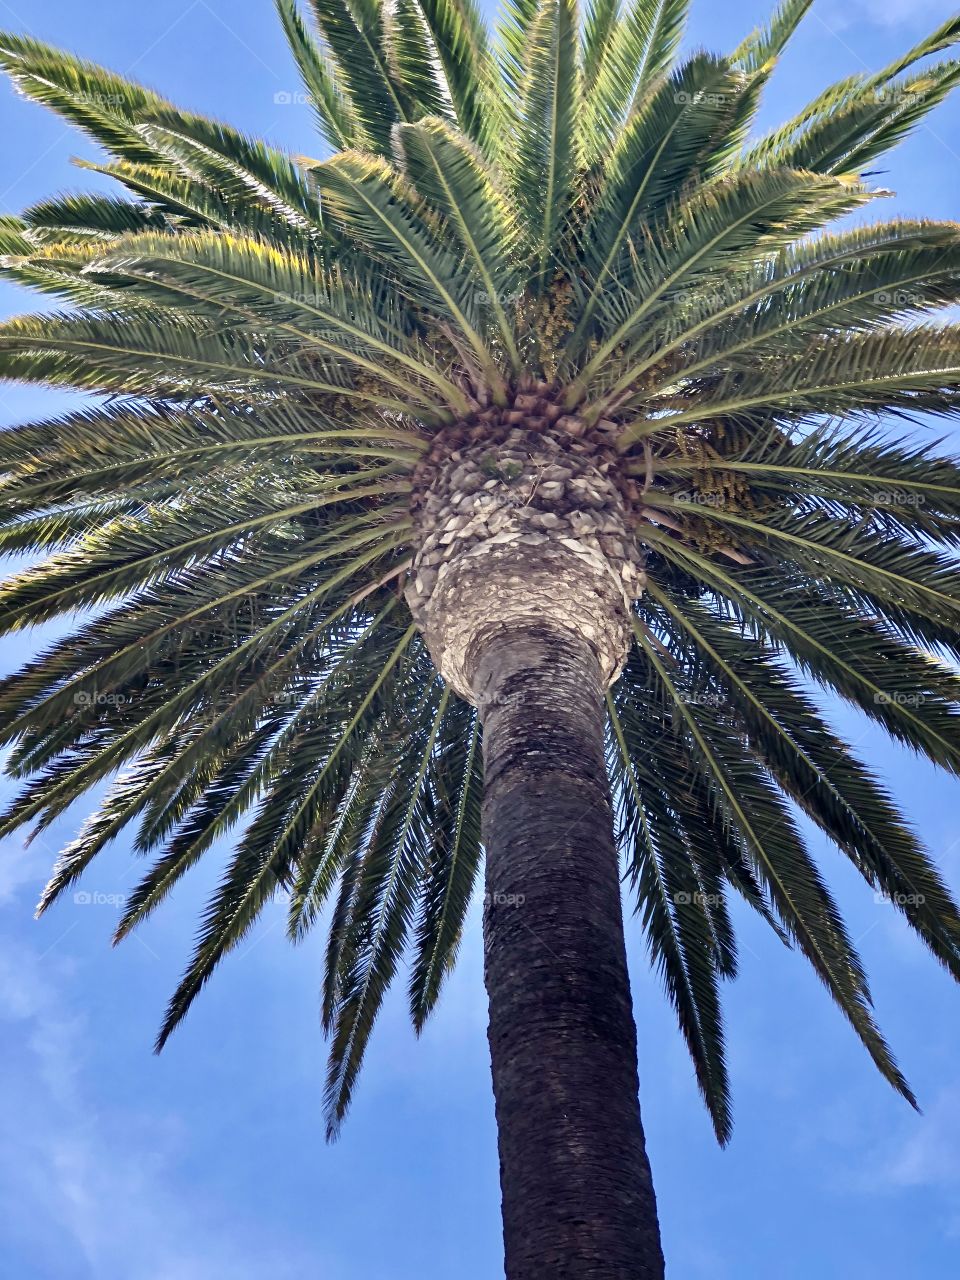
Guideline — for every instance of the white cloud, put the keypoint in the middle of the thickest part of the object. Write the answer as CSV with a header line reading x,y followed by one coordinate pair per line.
x,y
101,1188
842,14
920,1154
930,1155
22,865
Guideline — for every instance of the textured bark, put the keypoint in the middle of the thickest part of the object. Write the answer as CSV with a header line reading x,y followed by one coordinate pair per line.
x,y
517,526
578,1197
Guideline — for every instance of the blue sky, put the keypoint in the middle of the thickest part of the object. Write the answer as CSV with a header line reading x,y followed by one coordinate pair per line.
x,y
209,1163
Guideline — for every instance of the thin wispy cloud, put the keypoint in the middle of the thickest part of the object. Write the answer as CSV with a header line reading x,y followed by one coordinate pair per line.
x,y
883,13
96,1192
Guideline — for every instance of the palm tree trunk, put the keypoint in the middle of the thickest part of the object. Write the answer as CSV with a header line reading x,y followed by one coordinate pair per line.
x,y
578,1198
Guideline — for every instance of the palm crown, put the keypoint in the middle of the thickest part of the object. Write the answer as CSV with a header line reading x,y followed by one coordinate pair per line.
x,y
566,230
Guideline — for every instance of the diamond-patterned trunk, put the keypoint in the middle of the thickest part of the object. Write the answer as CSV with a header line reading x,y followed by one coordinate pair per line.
x,y
523,518
523,582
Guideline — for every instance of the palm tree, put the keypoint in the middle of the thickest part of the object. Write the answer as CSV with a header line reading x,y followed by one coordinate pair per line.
x,y
516,470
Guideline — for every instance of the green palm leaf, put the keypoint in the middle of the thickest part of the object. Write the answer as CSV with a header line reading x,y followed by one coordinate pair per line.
x,y
543,293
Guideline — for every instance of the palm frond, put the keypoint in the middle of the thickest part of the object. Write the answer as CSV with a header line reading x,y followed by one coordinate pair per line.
x,y
556,235
623,60
544,162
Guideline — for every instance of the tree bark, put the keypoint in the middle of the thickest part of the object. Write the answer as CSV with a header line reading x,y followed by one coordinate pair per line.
x,y
578,1198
